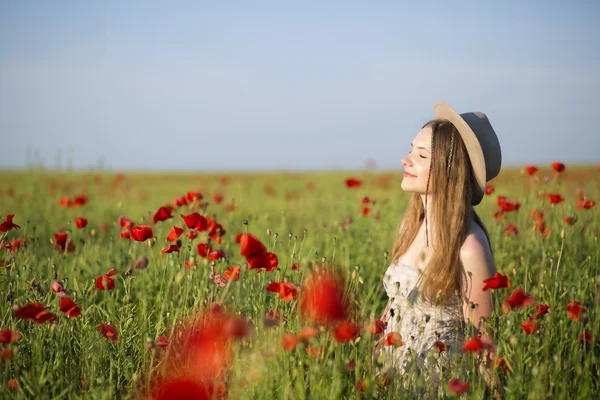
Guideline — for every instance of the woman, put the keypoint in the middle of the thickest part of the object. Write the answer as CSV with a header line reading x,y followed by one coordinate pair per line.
x,y
441,254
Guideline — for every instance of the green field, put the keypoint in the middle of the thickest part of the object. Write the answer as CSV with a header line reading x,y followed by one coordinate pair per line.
x,y
313,220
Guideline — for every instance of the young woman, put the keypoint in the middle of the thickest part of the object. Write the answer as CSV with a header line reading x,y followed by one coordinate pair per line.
x,y
441,254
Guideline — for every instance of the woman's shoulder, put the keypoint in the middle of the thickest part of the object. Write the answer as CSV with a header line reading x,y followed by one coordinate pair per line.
x,y
475,250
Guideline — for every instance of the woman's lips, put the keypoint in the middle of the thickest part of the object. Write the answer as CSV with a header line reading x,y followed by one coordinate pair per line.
x,y
407,175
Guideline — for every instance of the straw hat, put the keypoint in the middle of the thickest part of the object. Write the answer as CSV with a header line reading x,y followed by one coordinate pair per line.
x,y
481,143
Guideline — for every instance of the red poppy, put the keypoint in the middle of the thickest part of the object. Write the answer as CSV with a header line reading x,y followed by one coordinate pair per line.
x,y
218,198
530,327
8,224
232,273
125,222
508,206
13,384
322,299
35,312
60,243
585,204
65,202
169,249
501,362
536,215
457,386
489,189
497,282
215,230
195,221
351,366
531,170
361,385
265,262
109,332
439,346
473,344
366,211
174,234
540,309
393,339
574,310
162,342
517,299
163,214
346,331
295,266
569,220
376,327
141,233
79,201
125,234
555,198
179,201
540,226
203,249
585,337
193,196
8,336
289,341
286,290
191,234
215,255
250,246
498,215
307,333
81,222
106,282
558,166
511,230
58,288
190,265
500,200
69,307
353,182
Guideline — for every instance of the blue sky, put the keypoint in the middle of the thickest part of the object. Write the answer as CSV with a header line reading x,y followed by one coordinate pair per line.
x,y
290,85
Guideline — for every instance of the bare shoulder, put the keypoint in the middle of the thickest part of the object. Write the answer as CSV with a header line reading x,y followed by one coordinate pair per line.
x,y
475,253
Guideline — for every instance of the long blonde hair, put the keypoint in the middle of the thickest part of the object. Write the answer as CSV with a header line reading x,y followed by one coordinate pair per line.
x,y
450,182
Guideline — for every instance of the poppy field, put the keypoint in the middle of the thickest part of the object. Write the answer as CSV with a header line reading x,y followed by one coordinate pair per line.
x,y
258,286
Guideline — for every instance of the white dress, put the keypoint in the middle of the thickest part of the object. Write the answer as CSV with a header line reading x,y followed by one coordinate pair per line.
x,y
420,326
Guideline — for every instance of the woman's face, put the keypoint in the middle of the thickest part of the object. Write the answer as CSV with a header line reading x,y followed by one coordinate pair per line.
x,y
417,162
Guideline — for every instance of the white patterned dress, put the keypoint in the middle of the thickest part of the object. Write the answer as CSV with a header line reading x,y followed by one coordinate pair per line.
x,y
420,326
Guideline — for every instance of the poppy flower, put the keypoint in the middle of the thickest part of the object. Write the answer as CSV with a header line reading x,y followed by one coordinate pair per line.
x,y
540,309
8,224
69,307
266,262
162,342
289,341
125,222
473,344
501,200
203,249
457,386
489,189
215,230
286,290
498,215
195,221
511,230
174,234
232,273
501,362
191,234
215,255
169,249
536,215
351,366
60,243
179,201
346,331
439,346
393,339
218,198
530,327
517,299
585,337
65,202
141,233
189,264
250,245
106,282
555,198
497,282
558,166
353,182
58,288
295,266
193,196
109,332
508,206
366,211
365,200
81,222
35,312
376,327
79,201
361,385
574,310
13,384
307,333
8,336
531,170
585,204
163,214
569,220
322,299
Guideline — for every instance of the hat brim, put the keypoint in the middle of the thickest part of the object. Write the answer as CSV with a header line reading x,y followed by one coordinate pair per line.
x,y
442,110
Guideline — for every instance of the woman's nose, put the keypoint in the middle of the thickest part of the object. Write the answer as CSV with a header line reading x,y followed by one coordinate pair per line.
x,y
406,161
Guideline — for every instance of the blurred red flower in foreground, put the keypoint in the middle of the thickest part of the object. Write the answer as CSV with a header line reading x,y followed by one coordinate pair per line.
x,y
457,386
353,182
8,224
8,336
530,327
109,332
256,253
497,282
141,233
35,312
106,282
558,166
346,331
232,273
60,242
555,198
585,337
574,310
393,339
286,290
540,309
517,299
69,307
511,230
322,299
